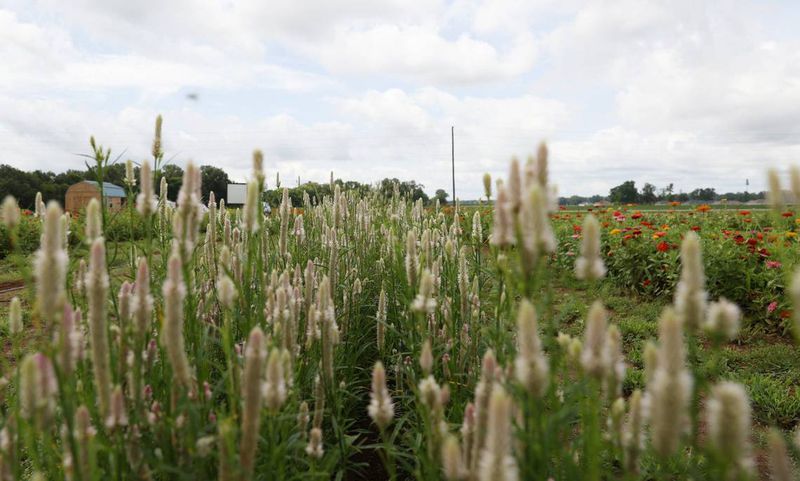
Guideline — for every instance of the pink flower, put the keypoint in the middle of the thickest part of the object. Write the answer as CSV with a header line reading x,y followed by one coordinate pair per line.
x,y
772,306
773,265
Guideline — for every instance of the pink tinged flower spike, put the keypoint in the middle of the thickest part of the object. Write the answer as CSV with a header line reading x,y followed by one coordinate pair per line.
x,y
118,417
670,388
252,208
130,178
497,460
780,464
452,464
426,358
729,424
531,367
794,179
483,392
15,316
97,295
690,294
39,206
503,226
142,301
145,202
28,386
226,291
775,192
174,292
37,389
594,342
314,449
412,261
124,299
186,220
633,440
424,301
613,363
94,221
10,212
275,385
723,319
589,265
381,408
84,433
51,267
381,320
251,393
515,187
794,296
66,346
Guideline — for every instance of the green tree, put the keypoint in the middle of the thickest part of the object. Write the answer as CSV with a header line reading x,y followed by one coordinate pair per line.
x,y
704,193
442,195
625,193
648,195
214,180
174,176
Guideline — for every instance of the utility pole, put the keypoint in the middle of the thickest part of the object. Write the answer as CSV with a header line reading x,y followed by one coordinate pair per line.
x,y
453,156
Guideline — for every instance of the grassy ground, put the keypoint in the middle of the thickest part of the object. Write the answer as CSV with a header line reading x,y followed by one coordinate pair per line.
x,y
766,363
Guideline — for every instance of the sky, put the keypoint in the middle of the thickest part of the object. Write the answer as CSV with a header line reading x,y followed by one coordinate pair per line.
x,y
695,93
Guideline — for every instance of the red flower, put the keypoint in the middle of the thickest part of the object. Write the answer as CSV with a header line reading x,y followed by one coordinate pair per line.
x,y
696,228
636,215
744,212
662,246
773,264
646,283
788,214
739,239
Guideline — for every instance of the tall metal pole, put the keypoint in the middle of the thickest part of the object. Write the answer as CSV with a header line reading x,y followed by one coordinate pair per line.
x,y
453,154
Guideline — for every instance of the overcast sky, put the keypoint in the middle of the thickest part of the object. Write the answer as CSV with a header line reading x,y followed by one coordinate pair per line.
x,y
699,93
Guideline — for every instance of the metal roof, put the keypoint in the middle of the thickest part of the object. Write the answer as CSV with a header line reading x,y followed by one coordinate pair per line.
x,y
109,189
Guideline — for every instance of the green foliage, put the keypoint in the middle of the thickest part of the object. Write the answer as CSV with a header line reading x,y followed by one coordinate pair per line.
x,y
625,193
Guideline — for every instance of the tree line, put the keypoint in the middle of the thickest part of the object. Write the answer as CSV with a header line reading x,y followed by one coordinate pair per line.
x,y
24,185
628,193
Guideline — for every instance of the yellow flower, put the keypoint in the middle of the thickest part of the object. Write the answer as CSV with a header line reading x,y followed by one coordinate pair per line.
x,y
791,234
797,221
615,231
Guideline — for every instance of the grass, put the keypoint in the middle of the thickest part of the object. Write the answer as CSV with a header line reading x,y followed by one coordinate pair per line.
x,y
767,364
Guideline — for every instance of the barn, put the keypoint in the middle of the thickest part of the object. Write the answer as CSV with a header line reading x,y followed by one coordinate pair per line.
x,y
78,195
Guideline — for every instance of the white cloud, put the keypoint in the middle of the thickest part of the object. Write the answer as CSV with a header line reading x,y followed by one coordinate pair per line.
x,y
422,53
686,92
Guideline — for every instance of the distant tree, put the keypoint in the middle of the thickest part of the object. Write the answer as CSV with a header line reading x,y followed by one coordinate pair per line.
x,y
648,195
667,192
706,193
115,174
214,180
624,193
408,189
174,176
442,195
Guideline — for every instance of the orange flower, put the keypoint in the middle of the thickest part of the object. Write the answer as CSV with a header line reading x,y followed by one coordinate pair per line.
x,y
703,208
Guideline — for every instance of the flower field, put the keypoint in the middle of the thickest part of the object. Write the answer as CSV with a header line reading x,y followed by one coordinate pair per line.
x,y
748,252
368,337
